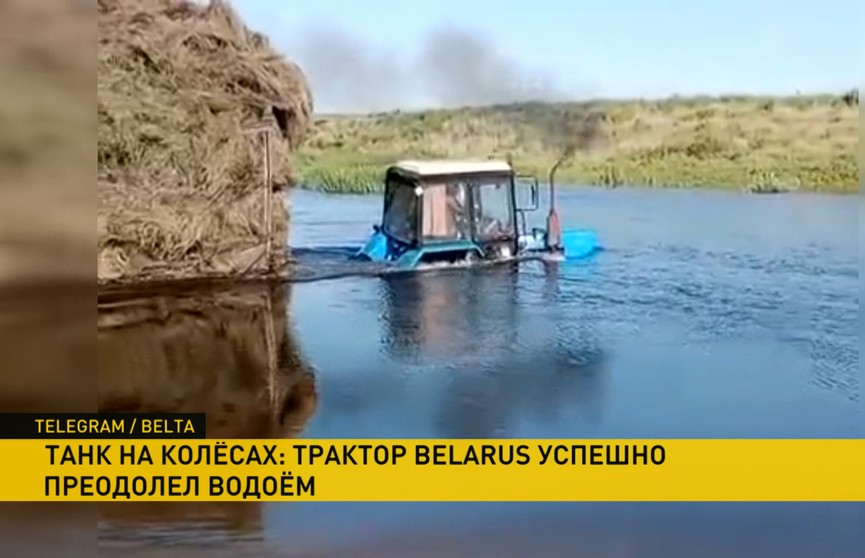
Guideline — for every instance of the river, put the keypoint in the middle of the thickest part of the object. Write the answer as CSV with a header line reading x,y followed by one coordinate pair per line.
x,y
707,314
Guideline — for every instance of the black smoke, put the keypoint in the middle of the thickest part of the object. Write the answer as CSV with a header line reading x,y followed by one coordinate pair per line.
x,y
451,67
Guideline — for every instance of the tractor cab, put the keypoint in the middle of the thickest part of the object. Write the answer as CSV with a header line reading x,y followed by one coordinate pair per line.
x,y
449,211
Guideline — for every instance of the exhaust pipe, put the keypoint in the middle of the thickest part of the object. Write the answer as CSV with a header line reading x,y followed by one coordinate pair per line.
x,y
554,228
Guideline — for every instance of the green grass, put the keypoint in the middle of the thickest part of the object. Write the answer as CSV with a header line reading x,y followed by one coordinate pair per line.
x,y
758,143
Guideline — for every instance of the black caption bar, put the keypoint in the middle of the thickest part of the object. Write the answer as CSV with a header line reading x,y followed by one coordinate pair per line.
x,y
190,426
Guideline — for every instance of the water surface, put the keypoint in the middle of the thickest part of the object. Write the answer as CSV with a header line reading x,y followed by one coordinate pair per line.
x,y
708,314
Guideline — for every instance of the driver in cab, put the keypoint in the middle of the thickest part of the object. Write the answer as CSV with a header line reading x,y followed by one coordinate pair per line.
x,y
445,212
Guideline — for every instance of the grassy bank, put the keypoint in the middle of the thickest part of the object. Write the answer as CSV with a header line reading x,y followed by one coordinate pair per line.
x,y
760,143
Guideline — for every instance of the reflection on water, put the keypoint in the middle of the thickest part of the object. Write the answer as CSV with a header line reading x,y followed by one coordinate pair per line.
x,y
500,356
441,315
230,354
461,354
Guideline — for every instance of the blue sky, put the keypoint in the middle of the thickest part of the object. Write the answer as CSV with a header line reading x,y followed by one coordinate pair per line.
x,y
352,50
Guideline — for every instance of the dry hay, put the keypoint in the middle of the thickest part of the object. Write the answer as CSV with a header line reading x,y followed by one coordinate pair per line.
x,y
180,184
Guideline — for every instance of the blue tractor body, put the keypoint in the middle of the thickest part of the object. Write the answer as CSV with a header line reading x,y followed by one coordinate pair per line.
x,y
449,211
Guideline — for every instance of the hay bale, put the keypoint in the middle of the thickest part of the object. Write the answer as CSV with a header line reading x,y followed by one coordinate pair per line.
x,y
181,186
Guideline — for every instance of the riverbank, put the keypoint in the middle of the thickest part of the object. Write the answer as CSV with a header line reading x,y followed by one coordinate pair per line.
x,y
759,143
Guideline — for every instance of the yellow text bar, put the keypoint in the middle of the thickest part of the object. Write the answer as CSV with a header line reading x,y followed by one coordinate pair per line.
x,y
433,470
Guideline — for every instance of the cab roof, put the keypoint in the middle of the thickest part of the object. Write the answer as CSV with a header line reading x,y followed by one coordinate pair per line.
x,y
434,167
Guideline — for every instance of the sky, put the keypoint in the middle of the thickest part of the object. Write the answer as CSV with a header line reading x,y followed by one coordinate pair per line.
x,y
371,55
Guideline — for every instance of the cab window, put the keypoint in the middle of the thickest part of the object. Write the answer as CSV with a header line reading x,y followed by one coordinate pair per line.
x,y
400,213
494,211
446,212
